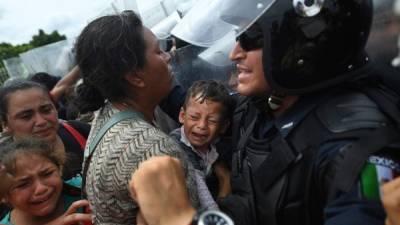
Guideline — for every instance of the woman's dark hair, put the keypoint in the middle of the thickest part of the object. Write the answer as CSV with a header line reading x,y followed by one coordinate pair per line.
x,y
46,79
9,153
107,49
10,88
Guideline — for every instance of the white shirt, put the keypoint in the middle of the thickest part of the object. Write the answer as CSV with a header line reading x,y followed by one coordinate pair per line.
x,y
208,158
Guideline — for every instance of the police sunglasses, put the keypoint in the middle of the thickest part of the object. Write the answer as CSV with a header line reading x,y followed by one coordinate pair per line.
x,y
251,39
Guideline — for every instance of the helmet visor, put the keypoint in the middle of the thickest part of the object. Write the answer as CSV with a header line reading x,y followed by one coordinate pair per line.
x,y
188,67
210,20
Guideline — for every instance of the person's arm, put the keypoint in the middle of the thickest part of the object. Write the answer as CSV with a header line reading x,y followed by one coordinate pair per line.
x,y
66,82
158,186
391,201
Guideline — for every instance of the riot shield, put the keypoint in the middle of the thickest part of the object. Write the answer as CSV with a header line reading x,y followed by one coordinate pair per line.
x,y
188,67
15,67
56,58
208,21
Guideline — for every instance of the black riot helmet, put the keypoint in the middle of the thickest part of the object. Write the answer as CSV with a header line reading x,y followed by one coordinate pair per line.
x,y
307,44
311,47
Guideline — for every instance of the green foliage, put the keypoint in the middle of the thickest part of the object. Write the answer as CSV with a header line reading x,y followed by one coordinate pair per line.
x,y
8,50
43,39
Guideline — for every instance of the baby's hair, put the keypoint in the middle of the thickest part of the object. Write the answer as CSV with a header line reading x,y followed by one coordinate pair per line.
x,y
9,153
210,90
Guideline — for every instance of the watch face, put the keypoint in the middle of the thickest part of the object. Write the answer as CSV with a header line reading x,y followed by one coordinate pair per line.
x,y
214,218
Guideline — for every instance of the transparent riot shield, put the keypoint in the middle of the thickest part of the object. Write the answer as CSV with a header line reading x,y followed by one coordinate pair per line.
x,y
121,5
161,16
188,67
55,59
15,67
208,21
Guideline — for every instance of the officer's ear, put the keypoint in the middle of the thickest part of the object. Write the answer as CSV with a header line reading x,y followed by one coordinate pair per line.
x,y
182,115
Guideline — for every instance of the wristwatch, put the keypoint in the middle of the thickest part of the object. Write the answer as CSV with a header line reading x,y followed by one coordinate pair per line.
x,y
211,217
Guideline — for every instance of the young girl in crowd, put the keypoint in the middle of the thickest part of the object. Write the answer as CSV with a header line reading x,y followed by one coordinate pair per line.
x,y
37,194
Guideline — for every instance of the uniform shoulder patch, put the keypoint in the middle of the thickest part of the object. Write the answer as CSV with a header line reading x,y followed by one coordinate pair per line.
x,y
377,170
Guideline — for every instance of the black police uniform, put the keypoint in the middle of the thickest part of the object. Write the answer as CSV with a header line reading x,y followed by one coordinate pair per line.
x,y
322,160
291,169
286,170
276,181
313,164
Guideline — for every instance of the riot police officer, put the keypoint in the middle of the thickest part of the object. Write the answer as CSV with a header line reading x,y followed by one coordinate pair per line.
x,y
316,131
309,132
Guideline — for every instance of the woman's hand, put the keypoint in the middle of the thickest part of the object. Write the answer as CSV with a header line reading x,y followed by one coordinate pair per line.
x,y
71,217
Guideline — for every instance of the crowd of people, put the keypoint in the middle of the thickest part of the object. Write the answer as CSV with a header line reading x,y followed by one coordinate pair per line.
x,y
309,136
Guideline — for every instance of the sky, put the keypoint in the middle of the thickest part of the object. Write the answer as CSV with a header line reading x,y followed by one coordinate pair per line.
x,y
21,19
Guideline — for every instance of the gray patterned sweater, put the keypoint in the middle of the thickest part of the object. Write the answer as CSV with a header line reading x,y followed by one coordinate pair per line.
x,y
117,155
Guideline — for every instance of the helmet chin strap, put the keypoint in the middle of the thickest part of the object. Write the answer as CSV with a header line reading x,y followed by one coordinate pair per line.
x,y
271,103
275,101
